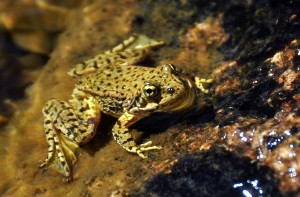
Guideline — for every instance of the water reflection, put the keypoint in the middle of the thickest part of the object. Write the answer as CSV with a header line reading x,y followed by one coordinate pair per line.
x,y
249,188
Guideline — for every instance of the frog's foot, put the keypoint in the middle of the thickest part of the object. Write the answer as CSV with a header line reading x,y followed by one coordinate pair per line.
x,y
150,44
61,155
61,163
136,42
199,83
122,46
146,147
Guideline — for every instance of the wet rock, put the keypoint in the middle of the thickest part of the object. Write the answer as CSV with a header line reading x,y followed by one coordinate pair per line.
x,y
213,173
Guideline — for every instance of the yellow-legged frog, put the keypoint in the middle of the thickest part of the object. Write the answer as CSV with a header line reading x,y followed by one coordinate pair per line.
x,y
113,84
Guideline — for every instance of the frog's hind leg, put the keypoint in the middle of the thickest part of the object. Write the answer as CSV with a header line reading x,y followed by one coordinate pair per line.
x,y
68,125
60,150
112,56
131,51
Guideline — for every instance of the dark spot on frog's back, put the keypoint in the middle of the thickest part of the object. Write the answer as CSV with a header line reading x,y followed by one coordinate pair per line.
x,y
95,64
119,123
121,56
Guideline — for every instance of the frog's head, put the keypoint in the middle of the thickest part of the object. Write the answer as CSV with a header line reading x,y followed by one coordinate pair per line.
x,y
167,90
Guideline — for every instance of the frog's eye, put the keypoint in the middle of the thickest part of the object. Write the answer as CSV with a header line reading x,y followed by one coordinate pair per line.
x,y
150,91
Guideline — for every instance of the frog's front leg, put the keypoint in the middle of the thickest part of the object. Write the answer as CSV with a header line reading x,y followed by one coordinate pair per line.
x,y
124,138
68,125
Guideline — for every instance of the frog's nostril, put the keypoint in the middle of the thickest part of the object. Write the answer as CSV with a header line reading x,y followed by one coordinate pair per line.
x,y
170,90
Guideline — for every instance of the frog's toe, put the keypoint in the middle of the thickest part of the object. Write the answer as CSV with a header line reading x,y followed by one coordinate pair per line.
x,y
199,83
139,152
146,147
44,165
67,179
143,149
149,143
47,161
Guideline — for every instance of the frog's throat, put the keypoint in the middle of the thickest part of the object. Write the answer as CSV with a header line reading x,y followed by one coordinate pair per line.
x,y
184,102
187,99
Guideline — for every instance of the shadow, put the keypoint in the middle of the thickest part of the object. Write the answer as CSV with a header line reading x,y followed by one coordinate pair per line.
x,y
102,137
153,124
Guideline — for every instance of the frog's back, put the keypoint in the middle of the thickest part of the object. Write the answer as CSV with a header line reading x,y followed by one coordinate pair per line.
x,y
115,87
114,80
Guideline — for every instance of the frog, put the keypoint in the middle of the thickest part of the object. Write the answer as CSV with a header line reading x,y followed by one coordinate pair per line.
x,y
113,83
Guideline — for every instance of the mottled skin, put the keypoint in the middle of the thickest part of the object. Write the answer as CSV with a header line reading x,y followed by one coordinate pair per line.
x,y
111,83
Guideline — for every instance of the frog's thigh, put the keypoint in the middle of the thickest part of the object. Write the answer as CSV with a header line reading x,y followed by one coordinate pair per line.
x,y
123,137
88,115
